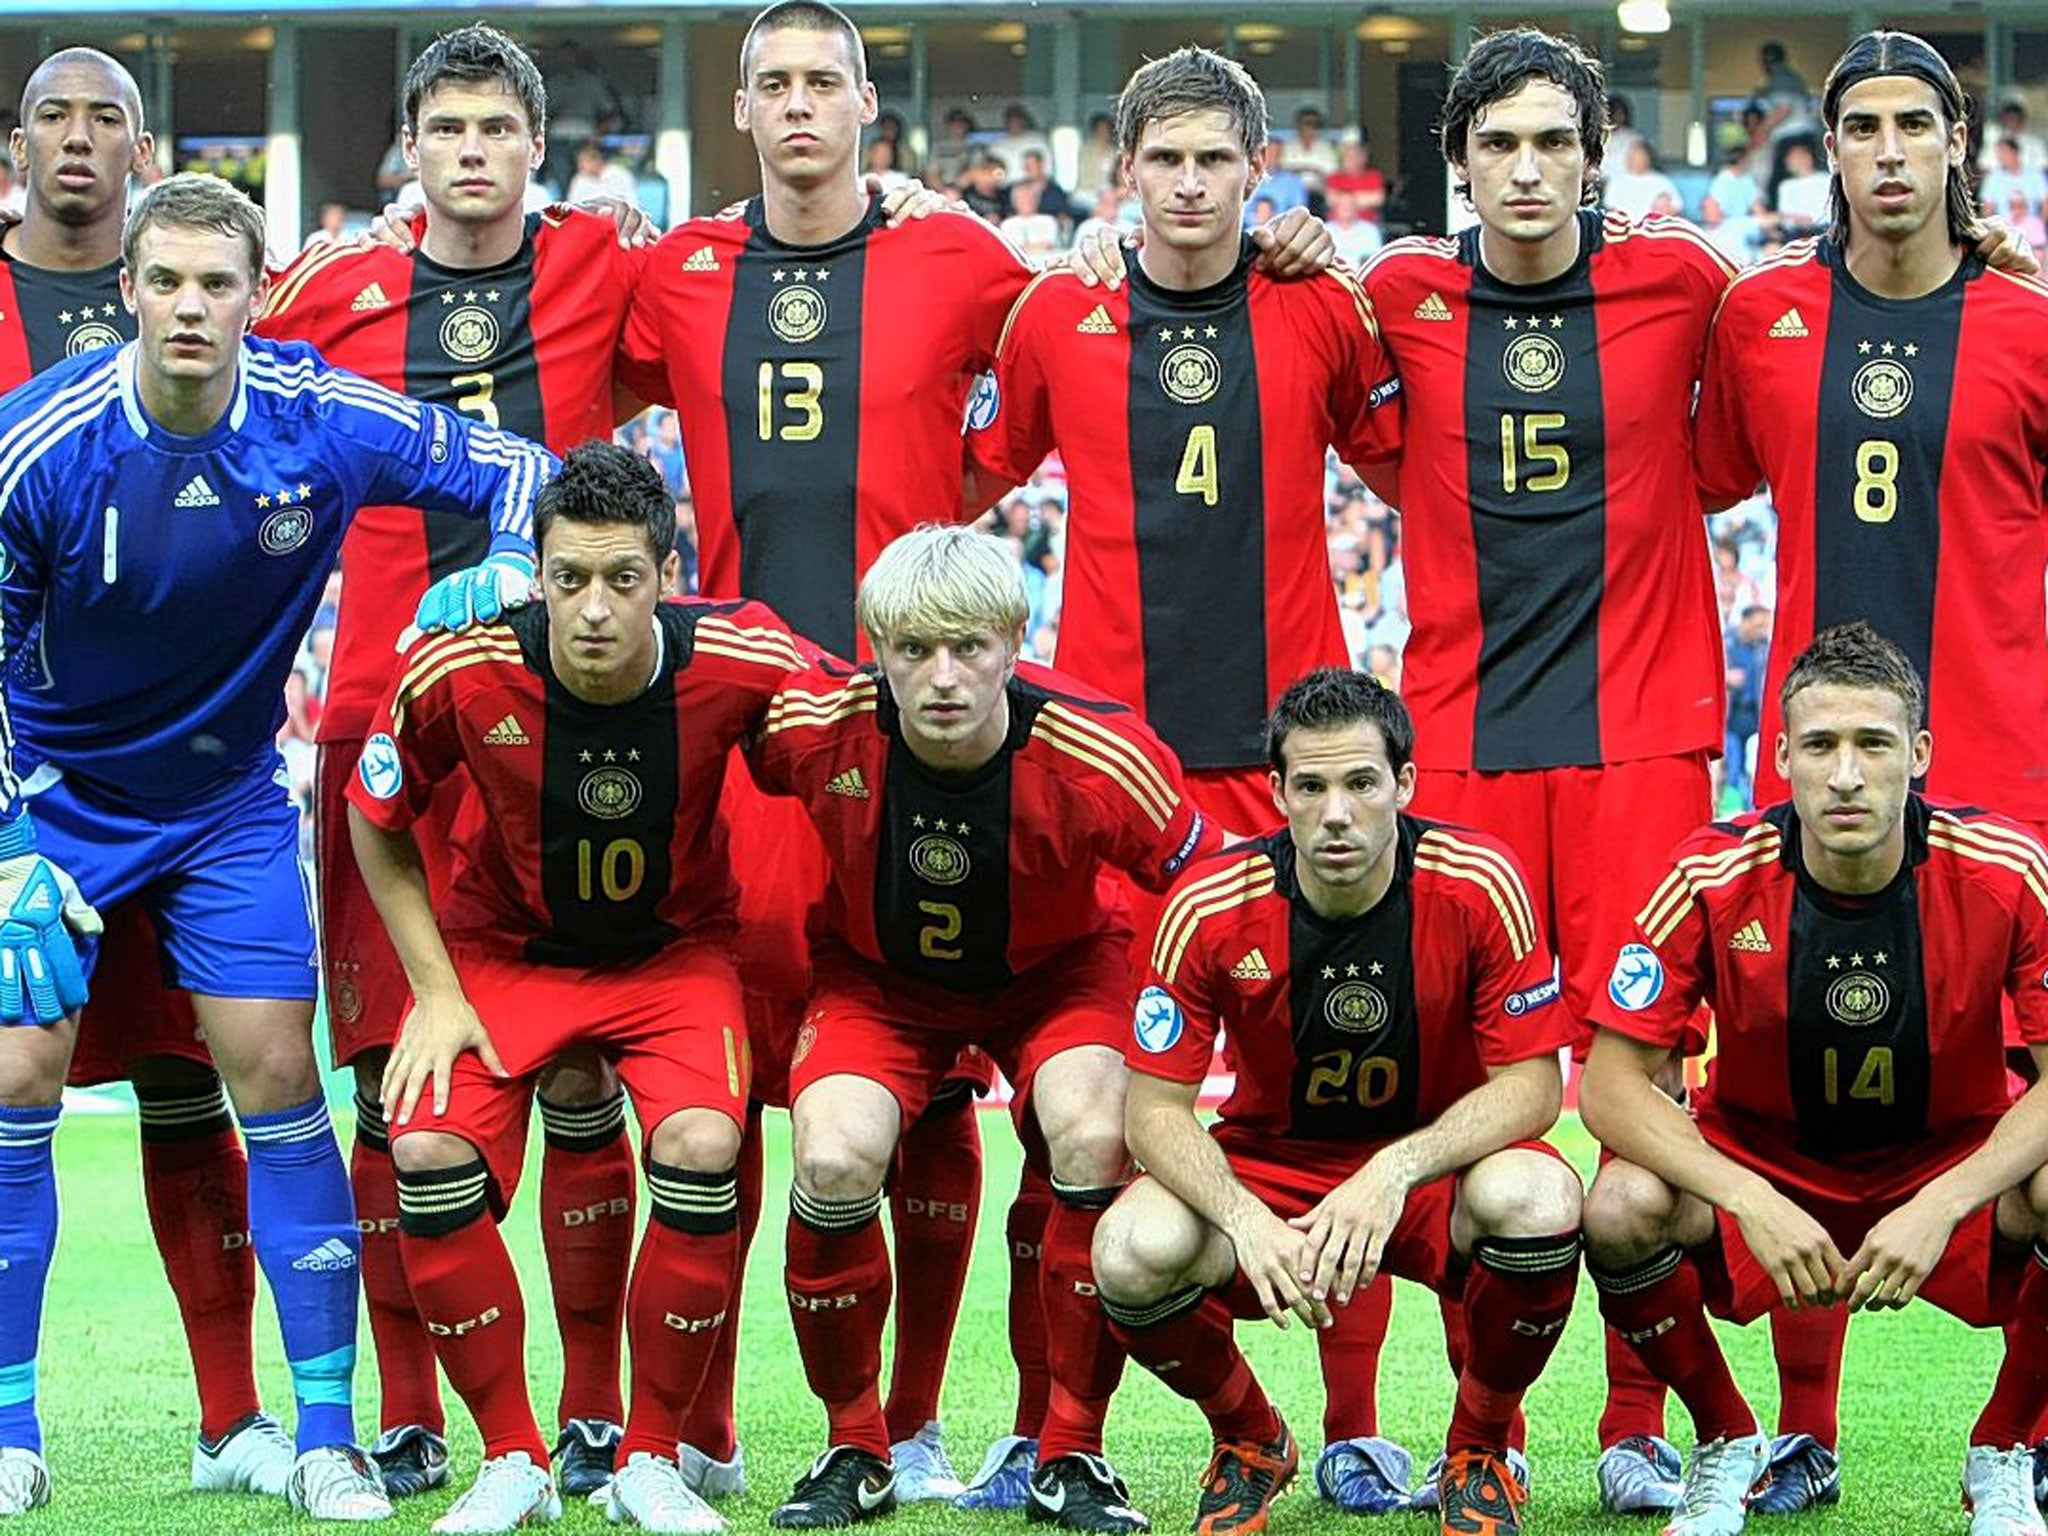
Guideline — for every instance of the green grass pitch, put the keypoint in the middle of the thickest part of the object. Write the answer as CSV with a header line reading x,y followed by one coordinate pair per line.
x,y
119,1409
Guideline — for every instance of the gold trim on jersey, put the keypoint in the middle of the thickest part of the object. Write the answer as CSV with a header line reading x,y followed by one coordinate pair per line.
x,y
1988,843
1699,872
1360,299
1444,853
287,291
1016,309
1234,885
792,707
450,653
761,644
1069,731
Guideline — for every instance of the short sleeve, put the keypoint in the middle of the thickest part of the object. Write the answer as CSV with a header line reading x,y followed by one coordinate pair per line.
x,y
412,746
1725,463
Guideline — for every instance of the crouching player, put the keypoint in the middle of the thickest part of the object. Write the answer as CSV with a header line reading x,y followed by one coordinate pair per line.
x,y
1396,1028
1855,944
968,804
592,904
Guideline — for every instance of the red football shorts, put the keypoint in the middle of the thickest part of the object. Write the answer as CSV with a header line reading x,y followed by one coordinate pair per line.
x,y
1593,842
674,1025
1292,1177
131,1013
367,993
907,1035
780,868
1977,1278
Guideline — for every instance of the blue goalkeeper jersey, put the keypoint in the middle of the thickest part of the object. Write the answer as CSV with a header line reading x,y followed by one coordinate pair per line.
x,y
165,582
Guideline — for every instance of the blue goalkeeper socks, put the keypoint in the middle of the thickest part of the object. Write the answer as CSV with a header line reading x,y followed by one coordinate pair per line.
x,y
303,1221
28,1237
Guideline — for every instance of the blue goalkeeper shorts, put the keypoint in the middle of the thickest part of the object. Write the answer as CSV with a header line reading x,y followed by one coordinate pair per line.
x,y
220,878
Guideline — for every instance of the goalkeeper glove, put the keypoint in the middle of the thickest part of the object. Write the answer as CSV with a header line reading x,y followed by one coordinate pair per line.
x,y
41,979
480,594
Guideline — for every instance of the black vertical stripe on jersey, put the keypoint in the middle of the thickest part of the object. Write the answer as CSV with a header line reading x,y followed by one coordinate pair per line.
x,y
1201,569
65,313
609,775
1884,572
1540,556
1833,977
942,896
1351,993
440,295
795,503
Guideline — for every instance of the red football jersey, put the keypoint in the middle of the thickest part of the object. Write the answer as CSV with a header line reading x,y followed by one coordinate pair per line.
x,y
599,839
1906,445
821,391
1194,427
527,346
47,316
1550,531
1358,1029
1861,1049
970,881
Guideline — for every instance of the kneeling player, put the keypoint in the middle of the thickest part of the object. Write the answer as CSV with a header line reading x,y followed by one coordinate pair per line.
x,y
968,804
1855,944
1396,1029
593,904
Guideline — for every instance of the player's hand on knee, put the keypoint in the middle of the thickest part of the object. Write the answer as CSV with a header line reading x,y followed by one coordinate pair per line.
x,y
1793,1248
41,979
1897,1256
911,199
1347,1234
1272,1255
1098,257
435,1033
1295,244
479,595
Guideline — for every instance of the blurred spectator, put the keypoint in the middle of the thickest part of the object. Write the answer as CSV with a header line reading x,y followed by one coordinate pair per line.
x,y
1787,99
1355,174
1020,134
2010,178
1101,166
889,130
2012,124
1048,196
1384,663
686,542
1732,212
1621,131
1033,232
1639,189
392,171
581,105
982,188
1757,154
1357,237
1308,154
953,149
880,162
1803,194
665,450
1748,649
332,227
2026,218
13,195
1281,187
599,176
1734,588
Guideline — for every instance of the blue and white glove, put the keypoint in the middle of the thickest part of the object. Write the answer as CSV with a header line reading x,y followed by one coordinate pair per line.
x,y
503,581
41,979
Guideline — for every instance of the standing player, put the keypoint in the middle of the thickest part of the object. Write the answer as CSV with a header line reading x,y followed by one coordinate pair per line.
x,y
1193,409
81,138
170,511
820,361
597,908
969,805
1856,945
514,319
1396,1029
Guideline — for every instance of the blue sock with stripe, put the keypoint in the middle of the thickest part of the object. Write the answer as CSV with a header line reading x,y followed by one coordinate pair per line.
x,y
28,1237
303,1222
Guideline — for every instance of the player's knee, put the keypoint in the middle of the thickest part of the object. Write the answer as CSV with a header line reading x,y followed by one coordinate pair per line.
x,y
2036,1191
1627,1216
32,1067
1520,1193
701,1140
274,1075
1137,1259
839,1162
1087,1149
430,1151
580,1075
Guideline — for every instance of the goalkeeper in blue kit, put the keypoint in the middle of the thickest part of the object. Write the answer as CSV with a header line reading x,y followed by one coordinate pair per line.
x,y
169,512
